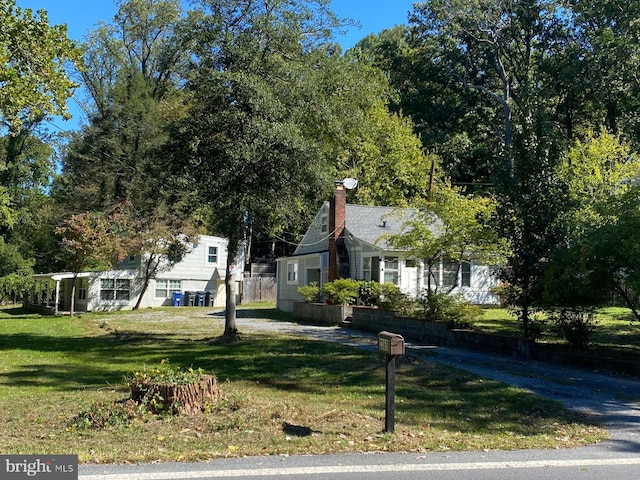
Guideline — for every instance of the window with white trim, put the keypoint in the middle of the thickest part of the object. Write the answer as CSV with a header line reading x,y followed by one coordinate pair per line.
x,y
115,289
212,255
292,272
366,268
82,290
391,270
324,225
454,273
166,288
465,273
449,273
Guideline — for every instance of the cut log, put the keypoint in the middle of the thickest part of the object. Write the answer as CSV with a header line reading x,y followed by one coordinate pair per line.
x,y
187,399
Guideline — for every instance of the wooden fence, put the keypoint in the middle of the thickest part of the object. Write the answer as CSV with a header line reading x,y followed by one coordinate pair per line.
x,y
259,289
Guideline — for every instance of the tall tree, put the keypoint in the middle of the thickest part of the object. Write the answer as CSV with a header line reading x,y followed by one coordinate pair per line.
x,y
608,32
130,71
601,218
501,50
33,85
34,82
275,105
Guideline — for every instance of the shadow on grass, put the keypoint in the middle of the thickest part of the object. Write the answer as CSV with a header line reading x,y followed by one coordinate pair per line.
x,y
262,313
426,393
72,362
14,311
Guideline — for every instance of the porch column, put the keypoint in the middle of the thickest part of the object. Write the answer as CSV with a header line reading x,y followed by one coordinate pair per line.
x,y
55,306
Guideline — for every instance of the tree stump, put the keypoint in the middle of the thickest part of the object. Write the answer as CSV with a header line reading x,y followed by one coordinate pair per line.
x,y
175,399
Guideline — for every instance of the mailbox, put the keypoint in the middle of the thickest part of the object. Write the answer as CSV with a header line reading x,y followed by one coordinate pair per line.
x,y
390,343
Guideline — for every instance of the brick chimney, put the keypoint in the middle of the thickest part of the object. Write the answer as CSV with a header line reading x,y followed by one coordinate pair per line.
x,y
337,213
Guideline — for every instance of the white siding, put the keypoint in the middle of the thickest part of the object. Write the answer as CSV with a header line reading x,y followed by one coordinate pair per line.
x,y
288,292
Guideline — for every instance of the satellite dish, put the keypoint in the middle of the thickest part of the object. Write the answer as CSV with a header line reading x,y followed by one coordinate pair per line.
x,y
350,183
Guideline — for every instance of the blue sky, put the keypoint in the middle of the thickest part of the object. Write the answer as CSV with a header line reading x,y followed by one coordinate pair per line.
x,y
81,16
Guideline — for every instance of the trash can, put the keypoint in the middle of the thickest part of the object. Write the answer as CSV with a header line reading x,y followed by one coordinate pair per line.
x,y
189,299
199,299
209,299
177,299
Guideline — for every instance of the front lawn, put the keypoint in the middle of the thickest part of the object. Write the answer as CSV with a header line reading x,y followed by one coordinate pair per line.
x,y
616,333
279,394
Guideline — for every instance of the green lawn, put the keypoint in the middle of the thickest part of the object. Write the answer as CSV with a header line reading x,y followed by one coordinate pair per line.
x,y
279,394
616,333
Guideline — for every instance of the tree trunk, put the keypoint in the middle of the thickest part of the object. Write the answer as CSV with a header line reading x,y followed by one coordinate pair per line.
x,y
151,269
187,399
230,329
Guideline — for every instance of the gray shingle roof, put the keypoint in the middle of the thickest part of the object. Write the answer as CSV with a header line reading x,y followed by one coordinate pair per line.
x,y
370,224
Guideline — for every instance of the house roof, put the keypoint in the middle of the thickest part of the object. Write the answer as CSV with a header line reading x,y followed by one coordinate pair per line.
x,y
368,224
371,224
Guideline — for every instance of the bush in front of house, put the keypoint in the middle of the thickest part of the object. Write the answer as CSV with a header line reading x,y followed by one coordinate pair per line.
x,y
369,293
386,296
444,307
342,291
311,293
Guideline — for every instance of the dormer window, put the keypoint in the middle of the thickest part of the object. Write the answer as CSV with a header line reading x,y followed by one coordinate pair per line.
x,y
324,223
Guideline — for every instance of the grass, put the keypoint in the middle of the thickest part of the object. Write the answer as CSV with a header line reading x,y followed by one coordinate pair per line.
x,y
280,394
616,334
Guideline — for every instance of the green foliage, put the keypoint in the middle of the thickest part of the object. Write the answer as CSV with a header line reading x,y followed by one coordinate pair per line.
x,y
369,293
342,291
602,220
90,241
15,273
311,292
33,55
165,373
384,295
454,227
103,415
576,325
452,309
387,159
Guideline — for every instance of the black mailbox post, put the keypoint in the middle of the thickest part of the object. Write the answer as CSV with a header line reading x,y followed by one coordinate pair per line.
x,y
392,345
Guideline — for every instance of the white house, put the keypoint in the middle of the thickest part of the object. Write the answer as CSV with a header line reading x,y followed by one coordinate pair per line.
x,y
203,269
350,241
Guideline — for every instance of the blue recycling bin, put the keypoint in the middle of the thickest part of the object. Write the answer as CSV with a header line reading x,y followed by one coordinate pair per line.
x,y
177,299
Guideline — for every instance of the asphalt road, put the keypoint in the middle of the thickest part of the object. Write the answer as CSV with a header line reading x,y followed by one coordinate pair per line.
x,y
612,401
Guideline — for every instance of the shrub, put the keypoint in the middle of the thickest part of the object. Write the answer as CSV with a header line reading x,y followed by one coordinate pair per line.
x,y
391,298
311,292
576,325
384,295
342,291
369,293
452,309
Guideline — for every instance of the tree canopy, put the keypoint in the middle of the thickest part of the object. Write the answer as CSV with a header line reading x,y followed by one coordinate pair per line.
x,y
33,79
